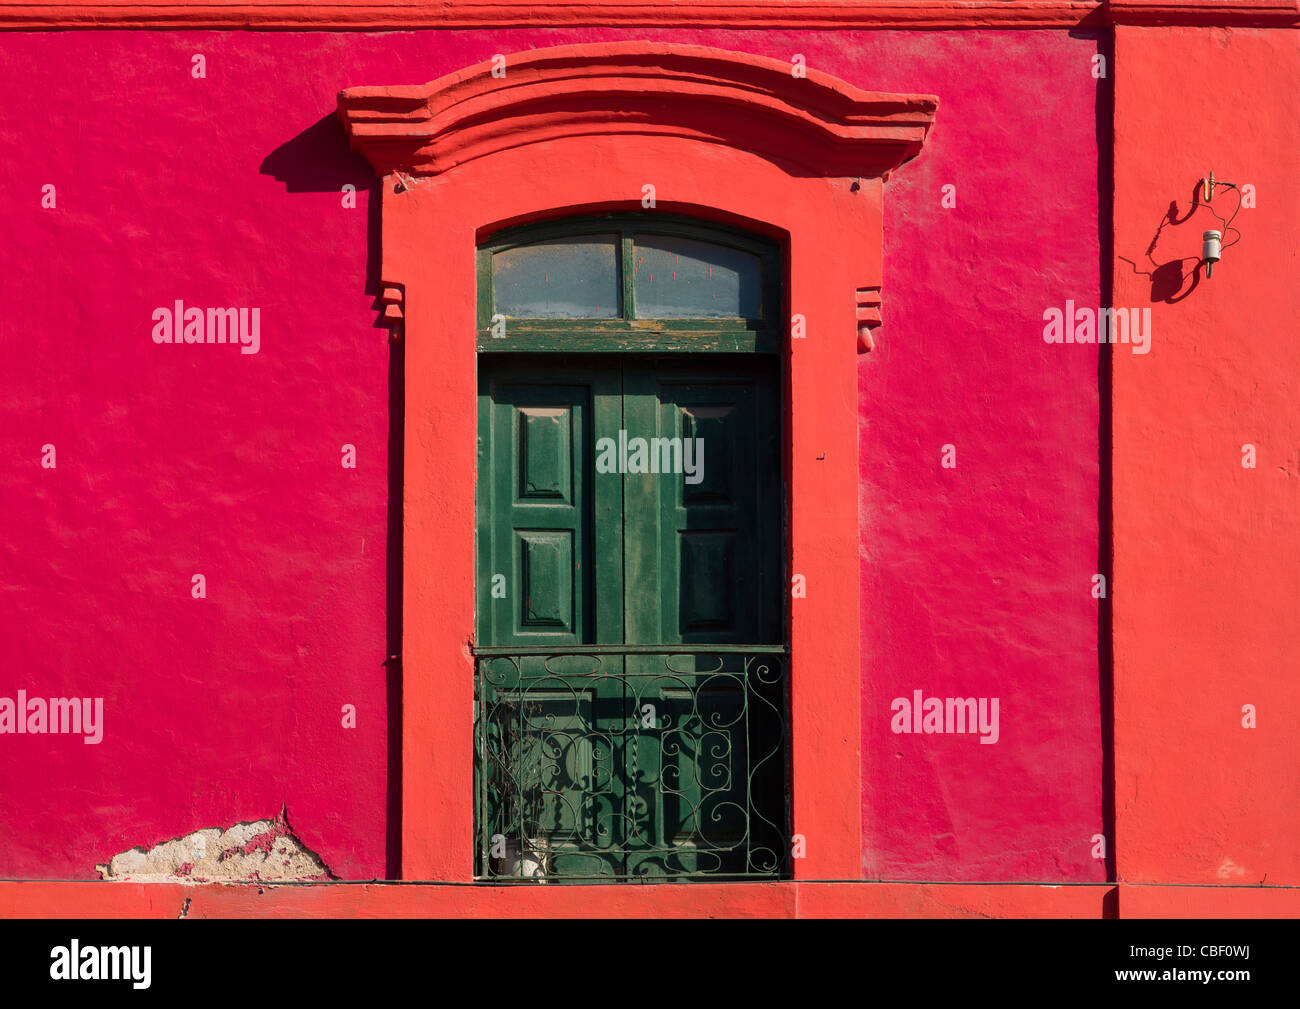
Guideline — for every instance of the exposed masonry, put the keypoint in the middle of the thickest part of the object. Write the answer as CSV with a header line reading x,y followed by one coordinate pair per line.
x,y
255,852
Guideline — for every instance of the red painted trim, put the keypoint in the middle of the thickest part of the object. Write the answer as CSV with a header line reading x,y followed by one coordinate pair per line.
x,y
67,899
1138,901
531,164
365,15
752,103
1206,13
45,899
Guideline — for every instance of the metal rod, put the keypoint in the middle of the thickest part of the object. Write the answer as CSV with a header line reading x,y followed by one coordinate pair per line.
x,y
568,650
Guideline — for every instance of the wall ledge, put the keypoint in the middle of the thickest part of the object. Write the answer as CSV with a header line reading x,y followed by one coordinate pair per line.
x,y
58,899
367,15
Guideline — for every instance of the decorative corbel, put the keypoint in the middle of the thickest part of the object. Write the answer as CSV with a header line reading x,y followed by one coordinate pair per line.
x,y
393,299
868,302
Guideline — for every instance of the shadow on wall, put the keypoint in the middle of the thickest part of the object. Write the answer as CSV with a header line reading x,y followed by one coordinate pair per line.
x,y
1103,120
318,160
1172,281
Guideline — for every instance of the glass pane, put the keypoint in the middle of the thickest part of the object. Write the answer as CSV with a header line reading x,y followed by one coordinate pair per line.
x,y
563,278
681,278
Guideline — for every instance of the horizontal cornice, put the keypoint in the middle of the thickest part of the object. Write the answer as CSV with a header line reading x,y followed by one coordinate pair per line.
x,y
784,14
1204,13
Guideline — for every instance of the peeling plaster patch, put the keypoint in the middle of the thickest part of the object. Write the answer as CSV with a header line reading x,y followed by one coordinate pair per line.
x,y
258,851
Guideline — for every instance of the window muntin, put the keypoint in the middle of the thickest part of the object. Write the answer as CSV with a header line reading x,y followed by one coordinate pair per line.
x,y
682,285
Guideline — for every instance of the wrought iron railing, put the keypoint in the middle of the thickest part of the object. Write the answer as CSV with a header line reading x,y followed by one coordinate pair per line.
x,y
603,762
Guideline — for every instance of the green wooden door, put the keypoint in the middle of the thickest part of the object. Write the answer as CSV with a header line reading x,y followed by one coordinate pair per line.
x,y
629,518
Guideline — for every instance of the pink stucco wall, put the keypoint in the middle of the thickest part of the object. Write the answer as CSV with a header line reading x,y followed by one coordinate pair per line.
x,y
173,461
977,580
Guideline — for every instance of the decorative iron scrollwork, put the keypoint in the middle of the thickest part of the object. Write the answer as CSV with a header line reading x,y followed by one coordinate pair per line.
x,y
631,762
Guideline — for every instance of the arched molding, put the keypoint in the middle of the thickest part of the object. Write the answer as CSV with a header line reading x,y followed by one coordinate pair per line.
x,y
794,114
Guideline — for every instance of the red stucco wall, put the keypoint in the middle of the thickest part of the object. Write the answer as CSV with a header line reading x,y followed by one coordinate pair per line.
x,y
1207,553
173,461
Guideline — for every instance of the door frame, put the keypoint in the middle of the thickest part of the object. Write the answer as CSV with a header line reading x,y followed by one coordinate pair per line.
x,y
722,136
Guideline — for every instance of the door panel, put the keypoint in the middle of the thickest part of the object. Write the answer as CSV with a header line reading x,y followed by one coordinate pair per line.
x,y
702,548
549,537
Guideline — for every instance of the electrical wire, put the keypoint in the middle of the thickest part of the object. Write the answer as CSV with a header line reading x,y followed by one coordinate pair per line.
x,y
1227,224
